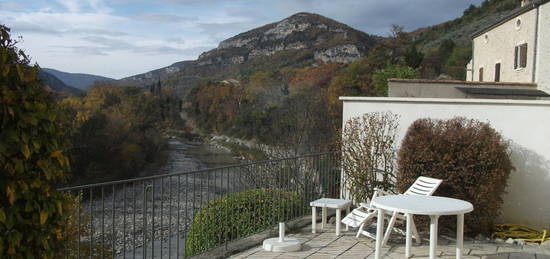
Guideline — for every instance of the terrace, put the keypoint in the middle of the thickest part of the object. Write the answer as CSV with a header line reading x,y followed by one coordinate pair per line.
x,y
228,212
325,244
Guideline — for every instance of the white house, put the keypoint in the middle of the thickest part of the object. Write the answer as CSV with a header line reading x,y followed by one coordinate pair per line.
x,y
514,49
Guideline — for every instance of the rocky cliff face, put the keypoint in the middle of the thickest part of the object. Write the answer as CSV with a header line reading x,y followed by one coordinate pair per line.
x,y
329,40
299,40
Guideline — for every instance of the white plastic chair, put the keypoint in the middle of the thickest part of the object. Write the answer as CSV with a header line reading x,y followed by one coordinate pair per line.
x,y
364,215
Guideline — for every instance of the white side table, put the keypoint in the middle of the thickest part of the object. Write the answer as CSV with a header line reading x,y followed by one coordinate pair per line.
x,y
432,206
325,203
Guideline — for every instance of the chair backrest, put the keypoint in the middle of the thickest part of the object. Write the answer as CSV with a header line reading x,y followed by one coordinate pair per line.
x,y
423,186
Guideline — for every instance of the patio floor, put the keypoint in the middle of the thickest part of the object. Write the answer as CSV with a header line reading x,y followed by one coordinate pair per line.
x,y
325,244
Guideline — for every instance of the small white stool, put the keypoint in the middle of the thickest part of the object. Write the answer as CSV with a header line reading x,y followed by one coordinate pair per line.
x,y
325,203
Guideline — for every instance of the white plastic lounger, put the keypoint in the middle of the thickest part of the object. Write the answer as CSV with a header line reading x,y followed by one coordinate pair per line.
x,y
364,215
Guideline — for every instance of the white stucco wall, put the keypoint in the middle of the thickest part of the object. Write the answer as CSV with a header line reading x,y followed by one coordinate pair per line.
x,y
543,52
499,47
525,124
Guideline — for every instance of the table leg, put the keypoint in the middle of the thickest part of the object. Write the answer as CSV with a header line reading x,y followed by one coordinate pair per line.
x,y
379,233
338,215
347,213
313,219
459,235
433,236
408,238
324,219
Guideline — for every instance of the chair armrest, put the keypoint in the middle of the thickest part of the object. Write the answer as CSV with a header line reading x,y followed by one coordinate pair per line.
x,y
380,191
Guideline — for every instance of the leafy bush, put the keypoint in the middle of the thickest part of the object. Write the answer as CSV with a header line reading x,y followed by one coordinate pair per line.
x,y
470,157
238,215
32,160
368,153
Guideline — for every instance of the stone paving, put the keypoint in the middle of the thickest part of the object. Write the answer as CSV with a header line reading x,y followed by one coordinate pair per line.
x,y
325,244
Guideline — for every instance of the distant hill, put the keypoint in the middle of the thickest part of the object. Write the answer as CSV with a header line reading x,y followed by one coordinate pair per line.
x,y
56,84
158,73
78,80
300,40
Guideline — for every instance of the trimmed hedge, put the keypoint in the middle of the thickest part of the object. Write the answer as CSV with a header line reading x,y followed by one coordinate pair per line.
x,y
468,155
238,215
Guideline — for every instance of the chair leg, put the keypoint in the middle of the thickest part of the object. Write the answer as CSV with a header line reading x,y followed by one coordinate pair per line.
x,y
360,230
415,232
366,222
390,228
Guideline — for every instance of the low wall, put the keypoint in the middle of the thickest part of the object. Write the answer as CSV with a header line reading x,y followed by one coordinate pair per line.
x,y
525,124
424,88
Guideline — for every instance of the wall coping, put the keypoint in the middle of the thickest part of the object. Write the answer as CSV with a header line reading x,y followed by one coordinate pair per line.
x,y
430,81
443,101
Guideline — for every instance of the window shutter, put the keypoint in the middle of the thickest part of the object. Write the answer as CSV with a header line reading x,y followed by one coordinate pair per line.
x,y
480,74
516,58
523,55
497,72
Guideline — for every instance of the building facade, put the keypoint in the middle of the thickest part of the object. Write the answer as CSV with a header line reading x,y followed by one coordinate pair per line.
x,y
515,49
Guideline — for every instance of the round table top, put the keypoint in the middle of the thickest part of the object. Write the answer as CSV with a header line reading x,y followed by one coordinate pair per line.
x,y
422,205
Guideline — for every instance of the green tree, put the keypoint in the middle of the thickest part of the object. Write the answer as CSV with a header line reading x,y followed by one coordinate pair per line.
x,y
32,160
381,77
456,64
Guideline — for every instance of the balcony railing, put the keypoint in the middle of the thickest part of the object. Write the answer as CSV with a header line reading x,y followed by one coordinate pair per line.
x,y
151,216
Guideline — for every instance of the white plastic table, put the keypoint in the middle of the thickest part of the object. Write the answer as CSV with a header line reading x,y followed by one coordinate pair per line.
x,y
433,206
325,203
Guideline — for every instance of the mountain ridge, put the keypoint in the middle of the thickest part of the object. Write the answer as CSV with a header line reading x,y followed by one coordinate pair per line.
x,y
78,80
56,84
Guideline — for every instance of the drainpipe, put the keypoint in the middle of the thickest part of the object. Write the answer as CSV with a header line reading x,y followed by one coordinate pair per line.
x,y
535,48
473,63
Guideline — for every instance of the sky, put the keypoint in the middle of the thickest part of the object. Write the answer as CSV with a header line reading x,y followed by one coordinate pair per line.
x,y
120,38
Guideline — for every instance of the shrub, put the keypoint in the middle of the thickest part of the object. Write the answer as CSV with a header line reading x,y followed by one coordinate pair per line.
x,y
469,156
32,160
368,154
238,215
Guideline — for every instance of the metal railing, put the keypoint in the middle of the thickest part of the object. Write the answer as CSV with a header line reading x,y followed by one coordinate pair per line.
x,y
152,216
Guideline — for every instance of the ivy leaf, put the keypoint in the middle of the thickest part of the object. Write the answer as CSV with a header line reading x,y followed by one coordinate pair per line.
x,y
25,150
56,153
2,215
11,195
43,217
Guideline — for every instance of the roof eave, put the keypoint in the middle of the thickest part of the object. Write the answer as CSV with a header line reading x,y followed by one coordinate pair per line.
x,y
511,16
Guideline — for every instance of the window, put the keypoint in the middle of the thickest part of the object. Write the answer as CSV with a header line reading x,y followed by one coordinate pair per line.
x,y
481,74
497,72
520,56
518,24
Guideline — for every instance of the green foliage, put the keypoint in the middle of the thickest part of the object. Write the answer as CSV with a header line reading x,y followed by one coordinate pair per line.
x,y
455,66
32,159
238,215
469,156
381,77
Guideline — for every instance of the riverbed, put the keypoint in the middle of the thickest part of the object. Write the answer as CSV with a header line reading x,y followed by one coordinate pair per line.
x,y
150,216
